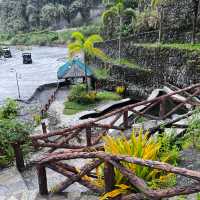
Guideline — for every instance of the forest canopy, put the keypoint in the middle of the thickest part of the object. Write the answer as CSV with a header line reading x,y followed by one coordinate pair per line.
x,y
29,15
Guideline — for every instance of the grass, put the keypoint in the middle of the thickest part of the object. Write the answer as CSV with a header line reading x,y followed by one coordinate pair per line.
x,y
101,73
72,107
46,37
107,96
123,61
184,46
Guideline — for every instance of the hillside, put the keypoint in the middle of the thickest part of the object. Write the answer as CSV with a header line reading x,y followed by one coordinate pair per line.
x,y
30,15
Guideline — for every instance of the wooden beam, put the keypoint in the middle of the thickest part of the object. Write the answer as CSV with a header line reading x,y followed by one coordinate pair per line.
x,y
107,157
125,119
89,136
162,108
18,156
166,193
42,180
180,105
109,177
145,115
70,175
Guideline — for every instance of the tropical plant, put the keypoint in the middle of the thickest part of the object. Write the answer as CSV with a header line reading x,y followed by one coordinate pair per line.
x,y
9,110
120,90
140,146
81,44
79,95
159,5
192,137
11,131
118,11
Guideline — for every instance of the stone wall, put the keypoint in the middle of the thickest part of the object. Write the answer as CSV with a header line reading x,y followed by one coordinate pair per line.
x,y
178,15
139,83
180,67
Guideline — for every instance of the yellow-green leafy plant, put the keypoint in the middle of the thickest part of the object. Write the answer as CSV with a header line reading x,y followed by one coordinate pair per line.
x,y
120,90
140,146
81,44
37,119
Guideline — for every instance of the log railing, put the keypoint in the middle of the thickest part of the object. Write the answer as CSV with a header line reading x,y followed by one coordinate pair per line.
x,y
50,100
91,148
57,162
117,120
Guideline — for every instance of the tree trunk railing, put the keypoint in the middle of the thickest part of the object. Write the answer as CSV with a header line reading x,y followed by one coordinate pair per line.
x,y
111,162
92,148
94,128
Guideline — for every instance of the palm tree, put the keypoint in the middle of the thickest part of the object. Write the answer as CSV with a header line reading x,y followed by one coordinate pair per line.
x,y
156,3
81,44
196,5
120,11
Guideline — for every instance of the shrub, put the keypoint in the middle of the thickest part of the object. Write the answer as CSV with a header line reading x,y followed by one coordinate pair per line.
x,y
11,130
37,119
107,96
101,73
142,147
192,137
9,110
79,94
120,90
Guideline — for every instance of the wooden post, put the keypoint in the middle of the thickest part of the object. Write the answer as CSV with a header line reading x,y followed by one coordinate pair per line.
x,y
126,119
44,128
46,107
19,156
89,136
42,113
42,180
109,177
162,108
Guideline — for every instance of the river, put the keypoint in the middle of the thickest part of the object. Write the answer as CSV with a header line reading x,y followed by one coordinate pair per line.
x,y
46,61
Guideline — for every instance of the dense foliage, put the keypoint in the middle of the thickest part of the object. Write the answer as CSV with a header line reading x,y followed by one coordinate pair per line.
x,y
11,130
29,15
141,146
46,37
80,99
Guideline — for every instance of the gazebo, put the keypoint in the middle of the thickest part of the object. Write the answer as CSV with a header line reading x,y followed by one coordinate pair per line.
x,y
74,69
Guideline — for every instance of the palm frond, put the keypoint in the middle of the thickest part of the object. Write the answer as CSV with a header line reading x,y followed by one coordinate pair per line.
x,y
78,36
94,38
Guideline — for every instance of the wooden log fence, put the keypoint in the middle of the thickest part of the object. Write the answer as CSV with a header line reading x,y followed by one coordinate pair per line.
x,y
94,130
50,100
112,162
61,139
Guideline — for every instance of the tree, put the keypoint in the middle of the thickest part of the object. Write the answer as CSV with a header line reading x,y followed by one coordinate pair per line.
x,y
81,44
118,11
196,5
49,15
159,5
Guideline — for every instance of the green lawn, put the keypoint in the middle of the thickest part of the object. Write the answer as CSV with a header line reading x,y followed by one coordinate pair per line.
x,y
72,108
